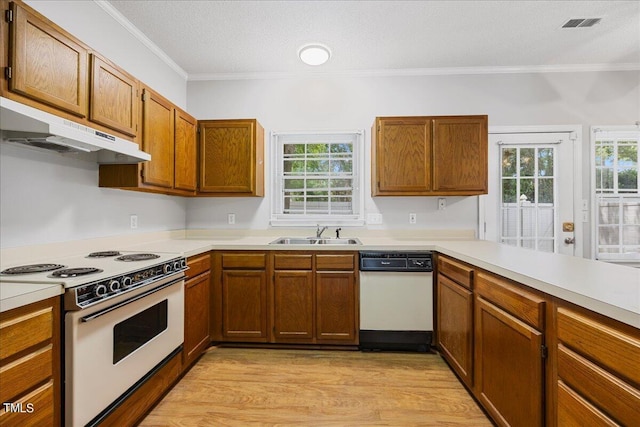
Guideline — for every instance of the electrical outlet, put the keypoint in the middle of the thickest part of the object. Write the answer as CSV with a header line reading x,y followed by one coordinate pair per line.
x,y
442,204
374,218
585,216
412,218
231,218
133,221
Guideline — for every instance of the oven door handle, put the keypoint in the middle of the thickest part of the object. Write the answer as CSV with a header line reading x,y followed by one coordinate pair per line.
x,y
129,301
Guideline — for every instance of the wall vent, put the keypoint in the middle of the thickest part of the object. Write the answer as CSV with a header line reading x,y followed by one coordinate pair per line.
x,y
581,22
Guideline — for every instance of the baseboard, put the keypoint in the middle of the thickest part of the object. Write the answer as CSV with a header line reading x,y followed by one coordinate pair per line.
x,y
419,341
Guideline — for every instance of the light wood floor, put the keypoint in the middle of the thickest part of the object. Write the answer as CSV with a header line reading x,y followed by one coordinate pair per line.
x,y
249,387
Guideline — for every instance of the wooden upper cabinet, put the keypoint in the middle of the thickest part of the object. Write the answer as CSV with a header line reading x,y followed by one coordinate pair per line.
x,y
114,97
460,154
185,151
401,156
231,158
157,139
47,65
429,156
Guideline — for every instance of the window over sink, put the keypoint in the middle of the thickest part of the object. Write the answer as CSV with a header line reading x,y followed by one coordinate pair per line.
x,y
317,178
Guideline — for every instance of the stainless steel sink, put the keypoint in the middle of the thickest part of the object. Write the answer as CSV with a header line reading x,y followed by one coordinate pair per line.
x,y
315,241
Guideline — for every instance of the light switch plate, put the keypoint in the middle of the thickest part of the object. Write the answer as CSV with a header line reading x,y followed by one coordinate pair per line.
x,y
133,221
231,218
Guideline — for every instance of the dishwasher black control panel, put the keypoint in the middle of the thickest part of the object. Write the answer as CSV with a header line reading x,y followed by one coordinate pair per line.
x,y
396,261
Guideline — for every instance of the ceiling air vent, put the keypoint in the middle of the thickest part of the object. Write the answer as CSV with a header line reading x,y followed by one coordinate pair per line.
x,y
581,22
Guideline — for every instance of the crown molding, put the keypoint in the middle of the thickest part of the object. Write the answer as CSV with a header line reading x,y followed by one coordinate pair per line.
x,y
122,20
450,71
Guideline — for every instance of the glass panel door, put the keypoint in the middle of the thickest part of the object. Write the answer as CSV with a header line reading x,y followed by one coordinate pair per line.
x,y
528,198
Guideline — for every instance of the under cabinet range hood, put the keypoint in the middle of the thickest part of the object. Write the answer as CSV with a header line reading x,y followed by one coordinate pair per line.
x,y
26,125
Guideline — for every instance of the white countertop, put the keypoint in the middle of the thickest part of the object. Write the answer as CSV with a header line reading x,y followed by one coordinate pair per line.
x,y
608,289
14,295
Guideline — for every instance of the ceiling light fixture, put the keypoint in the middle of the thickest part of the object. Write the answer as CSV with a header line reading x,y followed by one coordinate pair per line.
x,y
314,54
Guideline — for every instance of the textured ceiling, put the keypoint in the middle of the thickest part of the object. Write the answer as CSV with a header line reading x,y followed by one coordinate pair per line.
x,y
226,39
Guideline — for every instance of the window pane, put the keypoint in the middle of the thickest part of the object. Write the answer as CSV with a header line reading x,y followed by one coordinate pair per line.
x,y
604,155
317,183
527,189
608,236
293,183
528,222
545,162
317,148
342,148
631,235
545,245
527,161
509,222
631,213
509,191
529,244
546,222
628,179
545,190
604,179
317,166
338,166
608,213
508,162
341,184
627,156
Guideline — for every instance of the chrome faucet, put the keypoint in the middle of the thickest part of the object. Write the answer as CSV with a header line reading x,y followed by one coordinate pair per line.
x,y
320,231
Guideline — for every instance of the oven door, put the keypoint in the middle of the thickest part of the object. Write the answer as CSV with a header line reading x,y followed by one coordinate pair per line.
x,y
111,346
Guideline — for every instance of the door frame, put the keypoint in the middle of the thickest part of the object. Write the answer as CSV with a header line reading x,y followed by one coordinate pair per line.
x,y
580,208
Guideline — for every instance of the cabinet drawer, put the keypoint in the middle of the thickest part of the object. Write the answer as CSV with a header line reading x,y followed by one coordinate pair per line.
x,y
25,373
573,410
606,392
603,344
252,261
292,262
25,330
198,264
456,271
37,409
512,298
335,262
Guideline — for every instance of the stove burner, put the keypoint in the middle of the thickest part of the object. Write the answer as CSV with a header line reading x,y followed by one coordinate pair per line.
x,y
103,254
137,257
75,272
33,268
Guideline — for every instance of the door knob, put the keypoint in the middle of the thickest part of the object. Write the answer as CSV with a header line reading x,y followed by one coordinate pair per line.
x,y
570,240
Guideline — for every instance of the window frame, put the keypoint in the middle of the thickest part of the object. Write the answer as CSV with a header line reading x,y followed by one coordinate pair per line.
x,y
614,196
278,217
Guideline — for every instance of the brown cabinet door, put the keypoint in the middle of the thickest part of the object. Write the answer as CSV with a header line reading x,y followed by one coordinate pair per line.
x,y
244,305
114,97
227,156
336,307
293,306
196,317
157,139
402,156
460,154
46,65
185,151
508,367
455,326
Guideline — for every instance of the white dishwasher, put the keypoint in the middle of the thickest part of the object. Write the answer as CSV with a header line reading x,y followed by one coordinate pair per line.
x,y
396,300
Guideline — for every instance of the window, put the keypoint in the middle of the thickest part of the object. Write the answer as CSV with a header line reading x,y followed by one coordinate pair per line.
x,y
616,187
317,178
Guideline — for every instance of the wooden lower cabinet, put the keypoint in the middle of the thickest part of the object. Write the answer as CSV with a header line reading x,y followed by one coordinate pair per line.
x,y
293,306
508,366
335,306
454,312
196,308
597,377
30,364
244,305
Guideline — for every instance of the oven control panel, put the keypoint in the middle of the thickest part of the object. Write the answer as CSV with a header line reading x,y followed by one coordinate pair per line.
x,y
396,261
87,295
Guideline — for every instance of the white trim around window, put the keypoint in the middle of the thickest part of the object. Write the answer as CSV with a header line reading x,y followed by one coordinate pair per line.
x,y
317,178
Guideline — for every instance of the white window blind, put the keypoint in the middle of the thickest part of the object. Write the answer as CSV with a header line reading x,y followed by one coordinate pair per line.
x,y
317,178
616,193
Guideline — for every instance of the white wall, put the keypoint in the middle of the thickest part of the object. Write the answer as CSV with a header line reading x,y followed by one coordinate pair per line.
x,y
45,197
317,103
